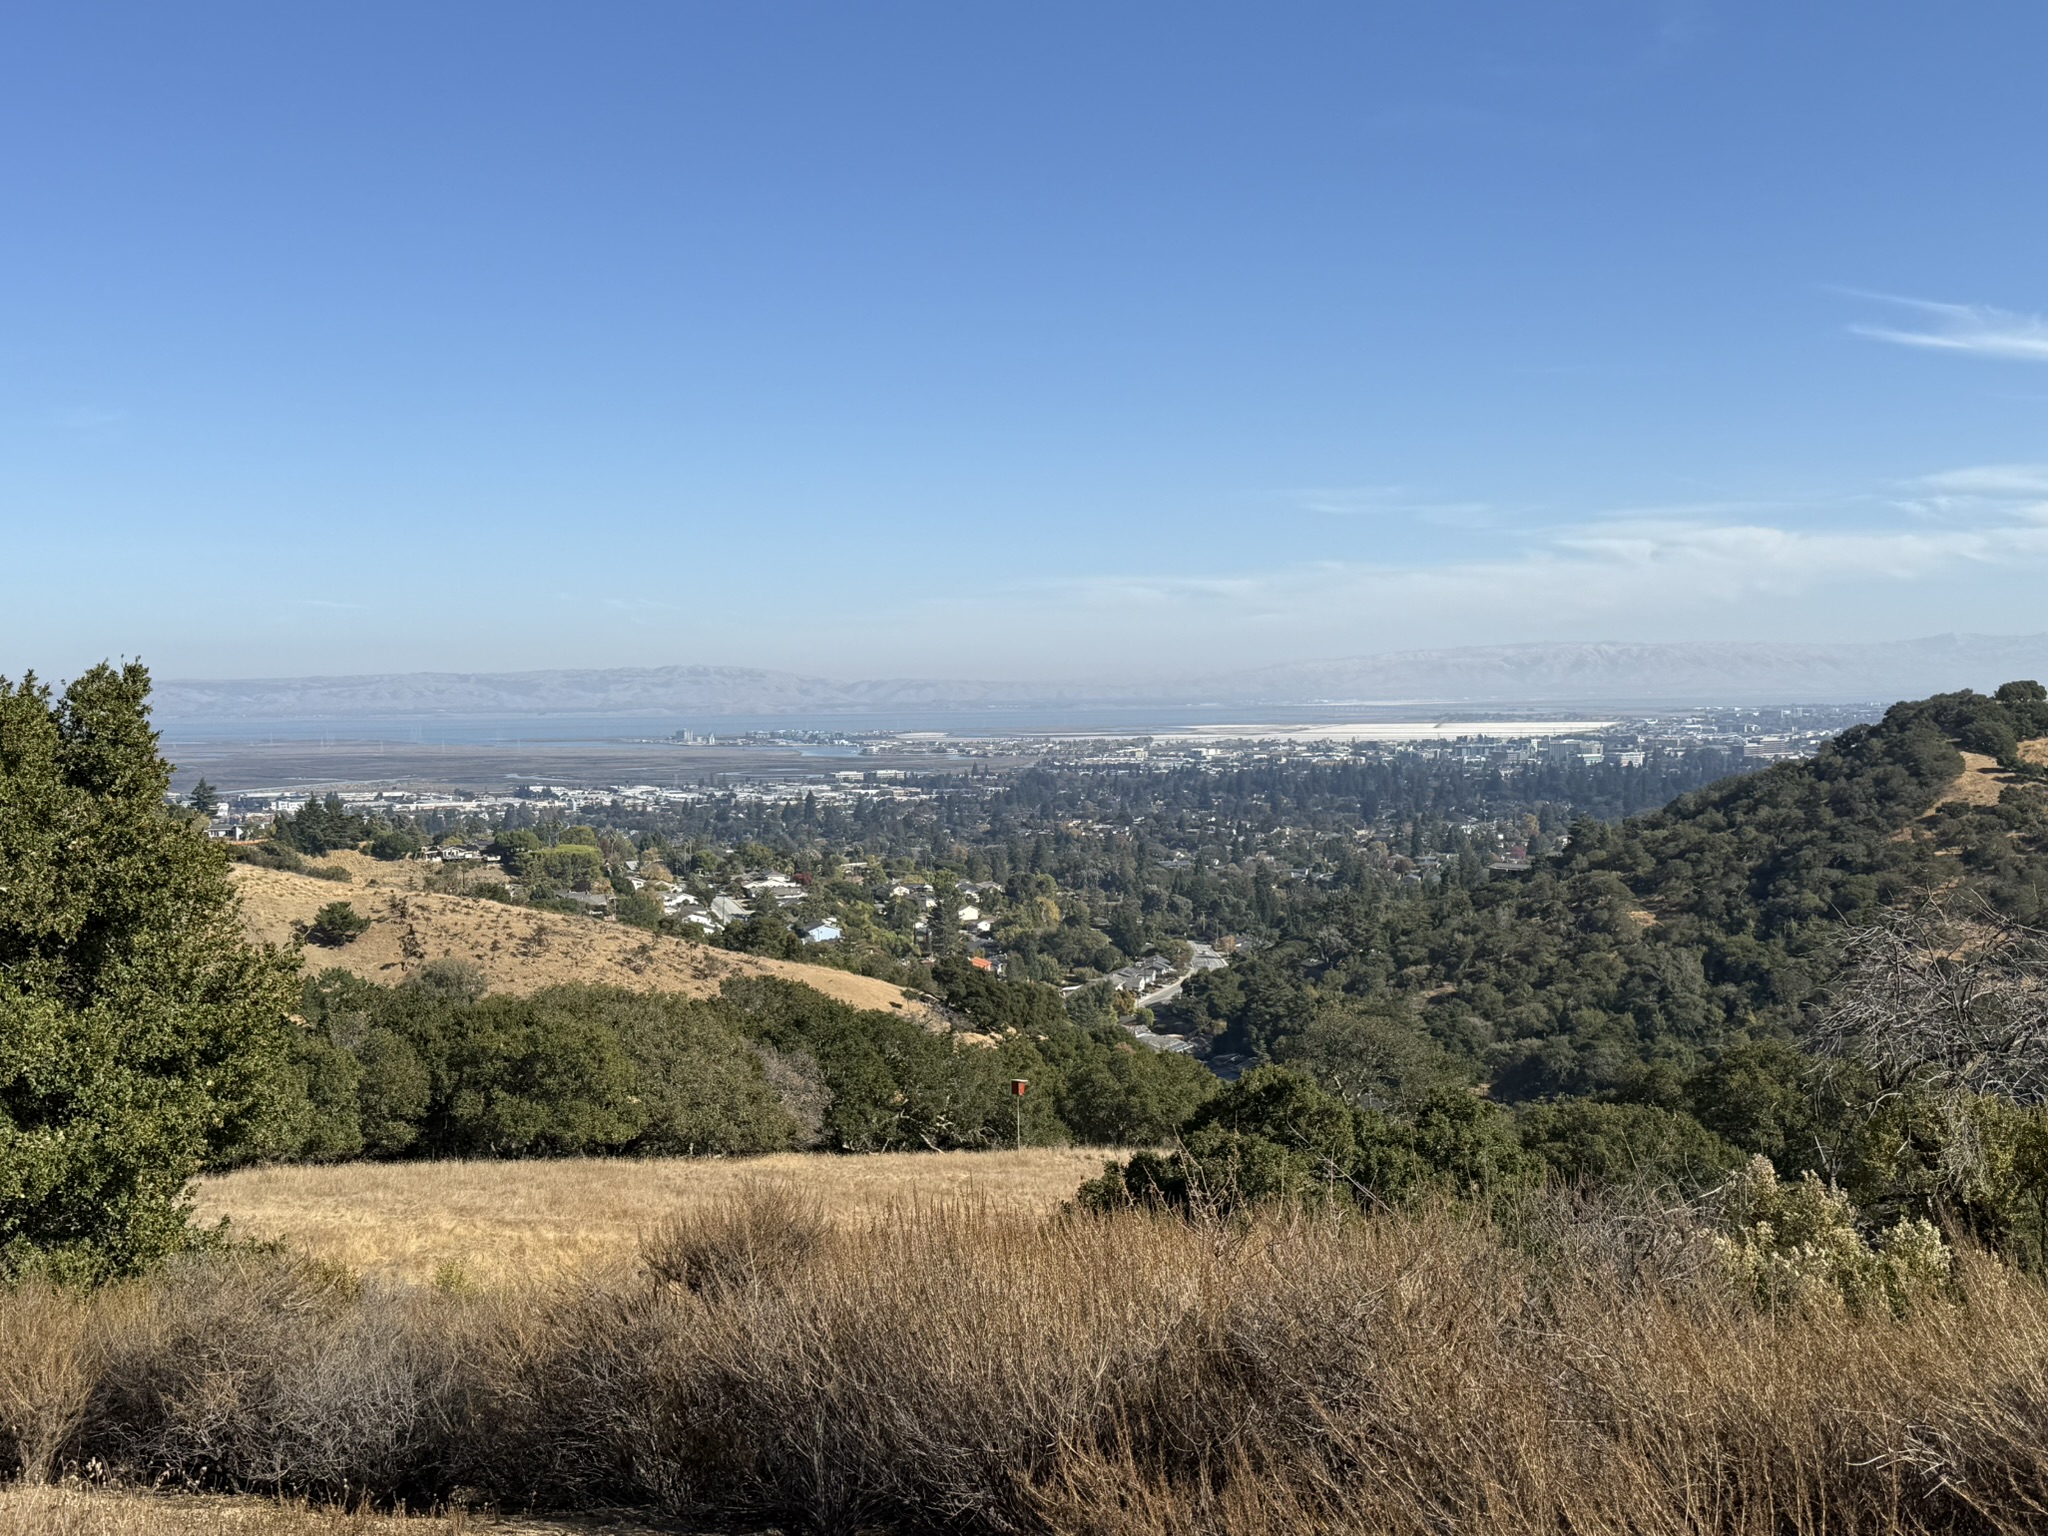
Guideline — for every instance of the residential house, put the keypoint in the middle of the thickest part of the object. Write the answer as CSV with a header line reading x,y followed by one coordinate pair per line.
x,y
1142,976
767,885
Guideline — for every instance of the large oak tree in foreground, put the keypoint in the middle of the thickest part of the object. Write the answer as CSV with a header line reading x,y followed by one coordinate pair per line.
x,y
140,1037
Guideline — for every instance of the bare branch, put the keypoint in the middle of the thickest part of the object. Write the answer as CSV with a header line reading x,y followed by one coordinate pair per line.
x,y
1949,995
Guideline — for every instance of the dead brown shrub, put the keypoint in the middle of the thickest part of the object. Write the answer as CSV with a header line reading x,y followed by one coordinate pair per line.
x,y
769,1228
948,1368
46,1375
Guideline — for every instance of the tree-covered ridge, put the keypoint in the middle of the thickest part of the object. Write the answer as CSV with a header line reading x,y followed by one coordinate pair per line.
x,y
1805,846
1618,964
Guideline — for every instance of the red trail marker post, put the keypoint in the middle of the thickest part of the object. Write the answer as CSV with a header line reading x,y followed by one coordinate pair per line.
x,y
1019,1086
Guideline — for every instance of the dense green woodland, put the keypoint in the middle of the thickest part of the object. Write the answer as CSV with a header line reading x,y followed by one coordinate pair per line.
x,y
1634,1008
435,1068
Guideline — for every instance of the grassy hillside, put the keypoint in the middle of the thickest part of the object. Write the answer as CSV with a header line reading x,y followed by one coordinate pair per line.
x,y
517,949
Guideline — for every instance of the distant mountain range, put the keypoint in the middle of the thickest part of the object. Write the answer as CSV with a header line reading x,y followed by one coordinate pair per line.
x,y
1733,672
1602,673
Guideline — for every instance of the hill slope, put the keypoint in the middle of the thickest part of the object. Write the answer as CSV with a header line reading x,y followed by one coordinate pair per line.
x,y
517,949
1652,943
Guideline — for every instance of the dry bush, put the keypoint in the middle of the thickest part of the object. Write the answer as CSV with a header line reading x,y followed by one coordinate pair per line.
x,y
46,1375
259,1372
769,1229
1952,995
947,1368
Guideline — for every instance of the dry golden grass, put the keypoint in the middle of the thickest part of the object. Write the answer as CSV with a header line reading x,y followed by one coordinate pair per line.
x,y
494,1221
995,1375
1981,782
517,949
35,1511
2035,751
30,1510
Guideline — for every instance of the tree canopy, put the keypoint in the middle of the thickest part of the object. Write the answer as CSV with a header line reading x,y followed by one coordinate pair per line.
x,y
140,1037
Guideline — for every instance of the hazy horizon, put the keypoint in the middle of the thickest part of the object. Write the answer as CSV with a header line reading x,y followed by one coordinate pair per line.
x,y
1064,344
1519,678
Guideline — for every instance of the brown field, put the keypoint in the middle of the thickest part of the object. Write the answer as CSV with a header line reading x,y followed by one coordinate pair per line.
x,y
518,950
498,1221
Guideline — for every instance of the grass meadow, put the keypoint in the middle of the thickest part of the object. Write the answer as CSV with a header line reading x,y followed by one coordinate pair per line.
x,y
949,1360
494,1221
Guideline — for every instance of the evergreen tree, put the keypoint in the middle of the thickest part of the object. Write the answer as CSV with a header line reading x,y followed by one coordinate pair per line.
x,y
321,826
336,924
140,1038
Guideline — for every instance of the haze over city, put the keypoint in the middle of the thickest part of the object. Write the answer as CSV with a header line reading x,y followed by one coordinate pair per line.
x,y
1065,343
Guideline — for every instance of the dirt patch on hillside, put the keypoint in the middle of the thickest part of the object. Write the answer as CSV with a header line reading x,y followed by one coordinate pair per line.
x,y
517,949
1981,782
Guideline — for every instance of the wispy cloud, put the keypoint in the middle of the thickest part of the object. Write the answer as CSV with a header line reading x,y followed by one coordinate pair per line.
x,y
89,418
1394,501
1992,480
1985,494
1611,566
1828,566
79,421
1975,328
1730,560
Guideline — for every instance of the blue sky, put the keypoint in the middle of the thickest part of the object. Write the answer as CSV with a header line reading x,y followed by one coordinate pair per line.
x,y
1048,340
